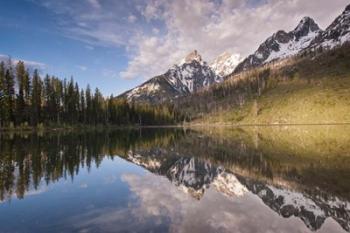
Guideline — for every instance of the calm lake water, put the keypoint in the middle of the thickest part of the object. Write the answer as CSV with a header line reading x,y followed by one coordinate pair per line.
x,y
266,179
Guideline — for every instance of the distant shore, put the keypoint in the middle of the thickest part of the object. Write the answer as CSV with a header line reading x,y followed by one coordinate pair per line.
x,y
123,127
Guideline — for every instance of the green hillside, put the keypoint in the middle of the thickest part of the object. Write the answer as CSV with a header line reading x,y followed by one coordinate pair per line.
x,y
310,89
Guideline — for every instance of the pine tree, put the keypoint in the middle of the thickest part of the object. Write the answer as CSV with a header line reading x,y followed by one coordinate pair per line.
x,y
82,107
58,99
27,93
20,101
9,96
88,99
53,101
2,92
76,99
36,99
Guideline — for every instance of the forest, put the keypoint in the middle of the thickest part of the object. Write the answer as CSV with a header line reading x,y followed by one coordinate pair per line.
x,y
29,100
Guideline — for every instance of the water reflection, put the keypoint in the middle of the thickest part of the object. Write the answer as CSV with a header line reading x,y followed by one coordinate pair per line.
x,y
234,180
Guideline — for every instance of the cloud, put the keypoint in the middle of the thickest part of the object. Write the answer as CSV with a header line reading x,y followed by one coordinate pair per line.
x,y
89,47
83,186
157,205
31,65
95,22
82,68
132,18
158,33
213,27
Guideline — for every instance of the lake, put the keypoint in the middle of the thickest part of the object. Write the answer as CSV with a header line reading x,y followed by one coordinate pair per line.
x,y
251,179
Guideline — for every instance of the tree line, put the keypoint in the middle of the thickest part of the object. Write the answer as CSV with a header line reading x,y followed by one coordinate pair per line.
x,y
27,99
29,160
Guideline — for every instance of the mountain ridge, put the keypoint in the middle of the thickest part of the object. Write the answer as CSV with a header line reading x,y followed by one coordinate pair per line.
x,y
282,45
193,74
189,76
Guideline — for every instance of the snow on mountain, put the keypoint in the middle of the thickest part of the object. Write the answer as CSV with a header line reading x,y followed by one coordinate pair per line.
x,y
313,210
193,74
282,44
194,176
229,185
189,76
225,64
336,34
191,175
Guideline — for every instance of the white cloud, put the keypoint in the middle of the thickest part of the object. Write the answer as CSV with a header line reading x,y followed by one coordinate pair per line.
x,y
158,33
214,27
29,64
95,22
132,18
158,205
82,68
83,186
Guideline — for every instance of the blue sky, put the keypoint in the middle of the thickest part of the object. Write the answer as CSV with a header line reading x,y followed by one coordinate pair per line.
x,y
116,45
31,32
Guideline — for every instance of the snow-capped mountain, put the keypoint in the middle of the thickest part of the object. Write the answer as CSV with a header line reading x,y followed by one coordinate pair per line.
x,y
225,64
336,34
191,175
189,76
193,74
194,176
313,210
282,44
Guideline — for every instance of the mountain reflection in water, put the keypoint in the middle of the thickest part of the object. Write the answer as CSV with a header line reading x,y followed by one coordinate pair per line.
x,y
251,180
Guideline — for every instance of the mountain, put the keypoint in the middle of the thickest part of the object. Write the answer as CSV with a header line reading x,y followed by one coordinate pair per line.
x,y
195,176
282,44
189,76
192,175
313,210
225,64
193,74
336,34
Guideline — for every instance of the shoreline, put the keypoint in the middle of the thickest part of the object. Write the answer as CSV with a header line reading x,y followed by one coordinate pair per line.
x,y
131,127
264,125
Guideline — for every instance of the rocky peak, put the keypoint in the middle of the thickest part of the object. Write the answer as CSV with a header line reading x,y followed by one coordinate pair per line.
x,y
192,56
336,34
281,36
187,77
347,9
305,26
282,44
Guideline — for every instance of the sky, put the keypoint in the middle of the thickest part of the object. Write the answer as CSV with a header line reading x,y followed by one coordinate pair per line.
x,y
116,45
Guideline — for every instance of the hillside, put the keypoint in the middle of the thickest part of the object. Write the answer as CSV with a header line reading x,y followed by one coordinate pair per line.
x,y
310,88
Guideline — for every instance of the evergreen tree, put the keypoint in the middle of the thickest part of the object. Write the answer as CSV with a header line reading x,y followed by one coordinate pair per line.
x,y
53,101
20,101
36,99
2,92
9,96
82,107
27,93
88,99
